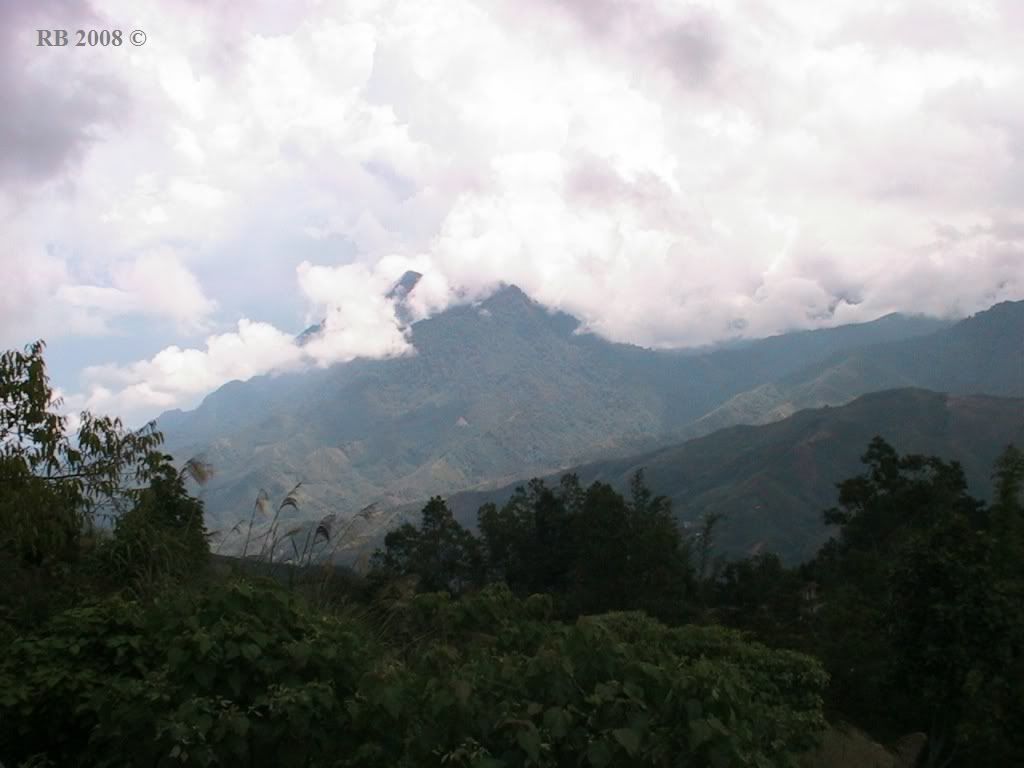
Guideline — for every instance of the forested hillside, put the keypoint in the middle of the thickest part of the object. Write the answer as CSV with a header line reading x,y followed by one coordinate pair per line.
x,y
499,390
983,354
127,645
578,626
769,483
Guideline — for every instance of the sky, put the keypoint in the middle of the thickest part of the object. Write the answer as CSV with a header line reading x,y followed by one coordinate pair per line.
x,y
672,173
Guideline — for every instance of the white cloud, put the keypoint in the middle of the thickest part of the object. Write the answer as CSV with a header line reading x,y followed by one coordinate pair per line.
x,y
155,284
672,173
358,322
175,377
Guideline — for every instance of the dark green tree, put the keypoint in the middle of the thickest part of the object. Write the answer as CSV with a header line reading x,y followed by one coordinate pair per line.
x,y
443,555
52,484
591,547
761,595
529,540
163,535
921,607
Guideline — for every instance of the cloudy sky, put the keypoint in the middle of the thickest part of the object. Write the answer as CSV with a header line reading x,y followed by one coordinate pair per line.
x,y
671,172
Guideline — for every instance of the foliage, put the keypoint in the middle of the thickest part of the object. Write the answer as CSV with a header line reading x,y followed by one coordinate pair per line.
x,y
593,547
914,607
245,675
760,595
440,553
163,536
51,486
238,675
508,688
923,588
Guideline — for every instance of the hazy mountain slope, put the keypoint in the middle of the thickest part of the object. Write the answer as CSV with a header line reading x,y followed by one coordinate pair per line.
x,y
495,391
772,482
982,354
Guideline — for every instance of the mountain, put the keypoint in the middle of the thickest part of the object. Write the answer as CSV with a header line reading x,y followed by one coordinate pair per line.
x,y
496,390
981,354
772,482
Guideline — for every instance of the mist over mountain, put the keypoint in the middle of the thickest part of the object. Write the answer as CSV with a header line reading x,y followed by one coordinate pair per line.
x,y
496,390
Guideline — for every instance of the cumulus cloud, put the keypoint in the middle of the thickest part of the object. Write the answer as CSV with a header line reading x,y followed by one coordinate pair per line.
x,y
153,284
358,321
672,173
175,375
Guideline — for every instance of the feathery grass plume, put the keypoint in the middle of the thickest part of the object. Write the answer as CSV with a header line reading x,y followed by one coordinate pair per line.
x,y
291,499
262,500
223,536
353,540
198,470
323,528
287,535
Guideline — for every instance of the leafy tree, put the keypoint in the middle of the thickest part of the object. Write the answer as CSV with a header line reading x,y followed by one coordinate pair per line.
x,y
1008,509
879,512
236,675
922,591
53,485
760,595
630,554
592,547
958,633
529,540
440,552
163,536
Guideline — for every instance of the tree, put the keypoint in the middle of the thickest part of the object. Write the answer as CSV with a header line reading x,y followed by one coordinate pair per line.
x,y
591,547
529,541
440,552
958,632
52,485
163,535
759,594
922,596
1008,509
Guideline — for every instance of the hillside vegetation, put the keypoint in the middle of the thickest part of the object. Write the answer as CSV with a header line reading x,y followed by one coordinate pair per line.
x,y
579,627
124,646
768,484
496,391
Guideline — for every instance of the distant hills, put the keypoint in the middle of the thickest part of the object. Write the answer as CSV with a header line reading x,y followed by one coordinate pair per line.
x,y
772,482
982,354
505,389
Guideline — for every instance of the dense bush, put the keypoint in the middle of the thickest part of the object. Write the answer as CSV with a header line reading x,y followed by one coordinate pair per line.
x,y
244,675
238,675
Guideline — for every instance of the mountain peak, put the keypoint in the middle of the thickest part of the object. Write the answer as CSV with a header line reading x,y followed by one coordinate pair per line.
x,y
509,295
405,285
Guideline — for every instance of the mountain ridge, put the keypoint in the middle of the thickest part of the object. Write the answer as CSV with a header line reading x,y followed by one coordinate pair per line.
x,y
497,389
772,482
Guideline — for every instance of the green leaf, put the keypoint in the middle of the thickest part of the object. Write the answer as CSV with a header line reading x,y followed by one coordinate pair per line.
x,y
556,720
529,739
463,690
700,733
251,651
598,754
629,739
